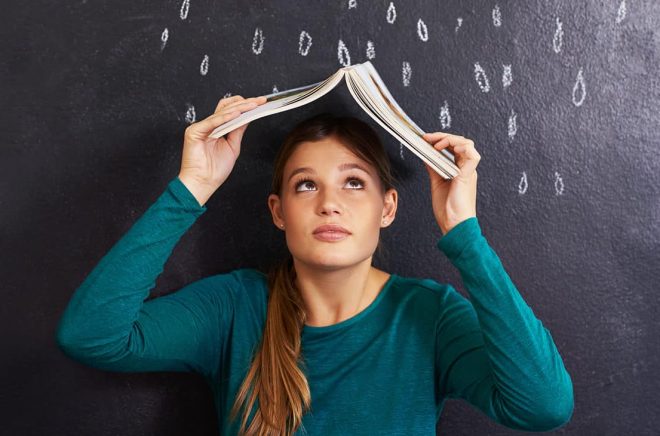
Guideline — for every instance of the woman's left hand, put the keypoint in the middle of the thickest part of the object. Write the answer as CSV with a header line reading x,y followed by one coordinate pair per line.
x,y
454,200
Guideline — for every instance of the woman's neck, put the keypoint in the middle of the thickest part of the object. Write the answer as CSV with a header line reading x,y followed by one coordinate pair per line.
x,y
332,296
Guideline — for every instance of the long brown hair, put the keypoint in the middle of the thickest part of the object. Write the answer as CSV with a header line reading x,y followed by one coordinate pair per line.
x,y
275,380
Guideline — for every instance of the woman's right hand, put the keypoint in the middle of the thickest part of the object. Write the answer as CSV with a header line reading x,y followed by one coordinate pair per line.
x,y
207,162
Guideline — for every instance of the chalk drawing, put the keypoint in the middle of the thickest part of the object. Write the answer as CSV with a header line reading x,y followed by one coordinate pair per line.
x,y
481,78
204,67
445,117
506,76
407,72
401,150
190,114
622,12
558,39
579,86
352,4
343,54
227,95
497,16
522,186
422,31
163,37
559,184
513,125
258,41
304,43
371,51
185,6
391,13
275,89
459,23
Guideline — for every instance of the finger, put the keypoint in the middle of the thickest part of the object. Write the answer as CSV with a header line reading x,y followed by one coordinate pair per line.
x,y
231,111
469,157
458,146
466,149
235,137
255,100
228,100
443,143
434,136
448,143
468,166
244,105
454,141
230,104
203,128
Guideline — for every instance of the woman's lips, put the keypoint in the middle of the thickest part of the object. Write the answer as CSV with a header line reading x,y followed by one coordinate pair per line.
x,y
330,236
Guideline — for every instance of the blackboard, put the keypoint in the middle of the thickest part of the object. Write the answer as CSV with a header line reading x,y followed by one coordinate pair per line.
x,y
560,98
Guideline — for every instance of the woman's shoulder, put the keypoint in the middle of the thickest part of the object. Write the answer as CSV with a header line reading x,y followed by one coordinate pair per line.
x,y
246,287
426,299
249,275
246,278
422,284
423,289
238,283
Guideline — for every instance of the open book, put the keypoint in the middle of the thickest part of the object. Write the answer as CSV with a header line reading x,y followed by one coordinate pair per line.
x,y
372,95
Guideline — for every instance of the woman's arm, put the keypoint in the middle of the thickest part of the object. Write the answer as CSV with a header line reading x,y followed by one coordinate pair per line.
x,y
492,351
108,324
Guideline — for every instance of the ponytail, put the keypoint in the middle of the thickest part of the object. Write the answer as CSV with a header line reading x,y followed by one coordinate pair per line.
x,y
275,378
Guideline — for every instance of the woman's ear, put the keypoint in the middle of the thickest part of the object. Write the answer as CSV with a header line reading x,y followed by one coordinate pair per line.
x,y
275,206
390,202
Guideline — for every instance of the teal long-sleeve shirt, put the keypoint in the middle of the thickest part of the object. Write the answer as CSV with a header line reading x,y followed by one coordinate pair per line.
x,y
387,370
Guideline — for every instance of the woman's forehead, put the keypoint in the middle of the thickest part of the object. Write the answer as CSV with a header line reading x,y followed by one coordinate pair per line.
x,y
322,154
327,162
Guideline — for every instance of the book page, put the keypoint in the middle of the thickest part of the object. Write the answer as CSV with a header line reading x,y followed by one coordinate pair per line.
x,y
281,101
378,90
292,93
374,97
367,94
391,102
431,160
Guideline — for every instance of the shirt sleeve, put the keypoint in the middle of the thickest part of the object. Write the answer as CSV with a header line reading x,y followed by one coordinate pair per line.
x,y
107,324
491,349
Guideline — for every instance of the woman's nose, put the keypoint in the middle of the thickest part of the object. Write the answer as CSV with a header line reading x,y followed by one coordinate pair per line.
x,y
329,203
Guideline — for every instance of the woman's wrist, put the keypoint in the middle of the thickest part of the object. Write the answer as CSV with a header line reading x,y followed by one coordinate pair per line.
x,y
200,190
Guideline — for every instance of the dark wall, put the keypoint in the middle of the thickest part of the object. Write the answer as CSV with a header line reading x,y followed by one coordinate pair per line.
x,y
94,106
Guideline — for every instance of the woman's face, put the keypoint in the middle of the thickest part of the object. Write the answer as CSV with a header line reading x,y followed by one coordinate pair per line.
x,y
333,190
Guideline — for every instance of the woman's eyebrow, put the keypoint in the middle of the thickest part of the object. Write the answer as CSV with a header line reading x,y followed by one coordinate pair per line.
x,y
342,167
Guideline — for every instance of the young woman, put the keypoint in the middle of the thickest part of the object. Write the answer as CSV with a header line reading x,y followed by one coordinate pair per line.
x,y
325,343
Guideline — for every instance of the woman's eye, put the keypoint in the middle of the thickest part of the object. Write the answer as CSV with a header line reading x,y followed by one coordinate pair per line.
x,y
303,183
351,181
360,182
